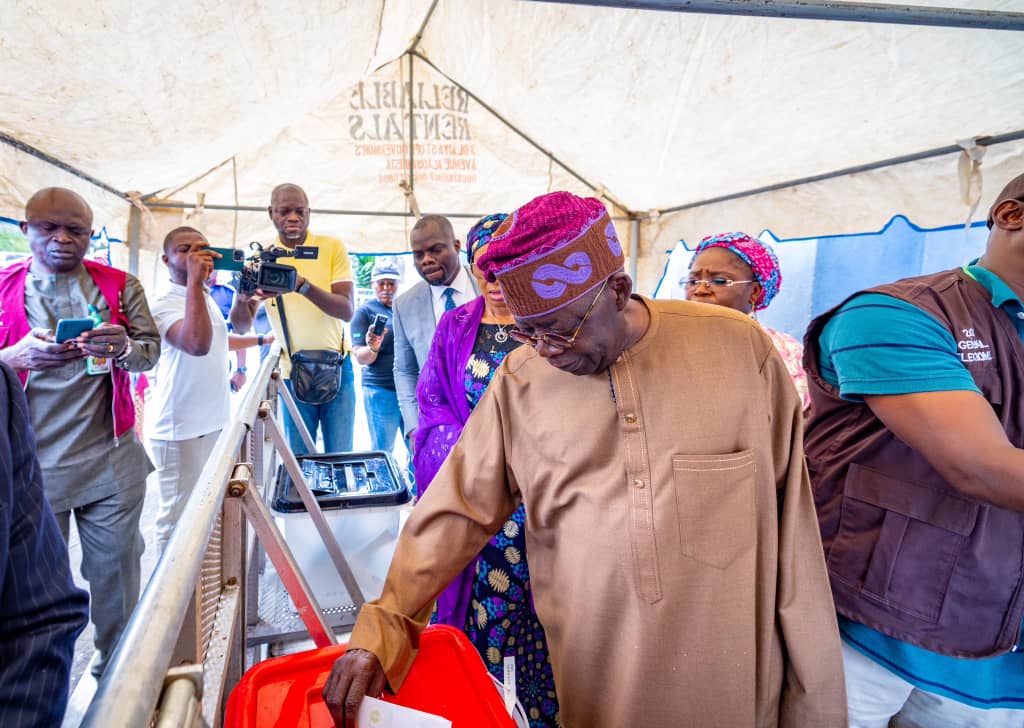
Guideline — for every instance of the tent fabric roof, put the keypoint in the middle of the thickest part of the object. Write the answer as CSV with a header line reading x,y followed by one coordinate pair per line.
x,y
144,94
653,109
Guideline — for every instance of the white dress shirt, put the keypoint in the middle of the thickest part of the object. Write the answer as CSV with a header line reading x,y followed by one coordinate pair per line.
x,y
463,293
192,395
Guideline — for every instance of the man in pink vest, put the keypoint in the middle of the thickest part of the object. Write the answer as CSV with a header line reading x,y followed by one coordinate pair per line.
x,y
79,396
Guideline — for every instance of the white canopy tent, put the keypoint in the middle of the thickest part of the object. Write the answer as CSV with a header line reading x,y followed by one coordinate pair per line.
x,y
199,109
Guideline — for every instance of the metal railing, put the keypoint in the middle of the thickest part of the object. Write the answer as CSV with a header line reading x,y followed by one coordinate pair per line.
x,y
185,646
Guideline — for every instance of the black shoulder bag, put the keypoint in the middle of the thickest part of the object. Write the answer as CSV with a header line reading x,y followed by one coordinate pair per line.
x,y
316,373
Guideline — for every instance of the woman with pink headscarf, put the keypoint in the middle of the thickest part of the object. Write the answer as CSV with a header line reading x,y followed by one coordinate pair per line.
x,y
742,273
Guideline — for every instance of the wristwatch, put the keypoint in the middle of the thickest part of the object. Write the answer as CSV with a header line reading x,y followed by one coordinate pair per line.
x,y
259,340
304,288
240,370
125,352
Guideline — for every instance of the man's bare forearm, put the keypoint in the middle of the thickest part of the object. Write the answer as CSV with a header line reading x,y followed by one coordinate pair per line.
x,y
195,334
337,305
242,313
995,476
958,433
238,343
365,355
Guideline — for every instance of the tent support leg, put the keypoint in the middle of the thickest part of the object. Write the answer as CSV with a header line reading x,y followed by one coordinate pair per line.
x,y
412,132
634,248
134,239
601,191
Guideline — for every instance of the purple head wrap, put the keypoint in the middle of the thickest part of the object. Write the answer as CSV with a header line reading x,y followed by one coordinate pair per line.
x,y
480,234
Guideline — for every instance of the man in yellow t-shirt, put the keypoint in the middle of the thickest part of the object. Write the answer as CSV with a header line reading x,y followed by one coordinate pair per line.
x,y
322,299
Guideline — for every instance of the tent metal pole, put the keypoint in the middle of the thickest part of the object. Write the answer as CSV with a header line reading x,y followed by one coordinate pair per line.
x,y
854,12
74,171
134,239
191,182
412,131
529,140
423,28
892,161
634,247
318,211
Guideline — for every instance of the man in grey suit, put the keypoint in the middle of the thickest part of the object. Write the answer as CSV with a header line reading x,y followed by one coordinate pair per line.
x,y
445,285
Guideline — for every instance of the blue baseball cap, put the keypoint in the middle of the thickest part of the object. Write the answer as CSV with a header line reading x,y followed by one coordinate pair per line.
x,y
385,272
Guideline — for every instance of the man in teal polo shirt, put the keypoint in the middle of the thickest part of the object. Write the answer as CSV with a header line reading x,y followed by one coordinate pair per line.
x,y
914,447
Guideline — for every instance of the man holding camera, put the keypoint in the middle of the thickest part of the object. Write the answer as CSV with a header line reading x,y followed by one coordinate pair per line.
x,y
79,395
308,319
190,402
375,350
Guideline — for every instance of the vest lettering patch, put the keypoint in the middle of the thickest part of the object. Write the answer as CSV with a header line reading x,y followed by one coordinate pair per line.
x,y
972,348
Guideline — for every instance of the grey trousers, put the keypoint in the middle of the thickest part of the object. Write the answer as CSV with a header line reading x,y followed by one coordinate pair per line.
x,y
178,465
112,547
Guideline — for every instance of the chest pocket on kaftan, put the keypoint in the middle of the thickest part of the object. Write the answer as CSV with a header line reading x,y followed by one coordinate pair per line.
x,y
716,506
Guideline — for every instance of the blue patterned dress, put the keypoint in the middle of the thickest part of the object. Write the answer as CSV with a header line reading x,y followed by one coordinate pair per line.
x,y
501,621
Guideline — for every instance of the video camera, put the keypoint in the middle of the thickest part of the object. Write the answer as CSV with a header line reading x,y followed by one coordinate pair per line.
x,y
262,271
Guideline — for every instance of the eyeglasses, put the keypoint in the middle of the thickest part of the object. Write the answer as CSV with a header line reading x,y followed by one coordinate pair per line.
x,y
557,340
711,282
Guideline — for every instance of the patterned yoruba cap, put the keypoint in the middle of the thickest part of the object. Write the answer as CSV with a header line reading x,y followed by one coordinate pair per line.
x,y
759,256
550,252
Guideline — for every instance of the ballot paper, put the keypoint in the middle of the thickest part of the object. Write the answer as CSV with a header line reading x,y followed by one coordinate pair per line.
x,y
375,713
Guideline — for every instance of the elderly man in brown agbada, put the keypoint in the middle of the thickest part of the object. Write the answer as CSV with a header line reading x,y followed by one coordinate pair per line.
x,y
672,539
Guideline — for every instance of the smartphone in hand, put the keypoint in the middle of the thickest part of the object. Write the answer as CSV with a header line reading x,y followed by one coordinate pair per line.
x,y
68,329
230,259
380,321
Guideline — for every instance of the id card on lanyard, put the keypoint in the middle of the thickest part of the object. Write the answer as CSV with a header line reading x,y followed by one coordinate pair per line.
x,y
95,365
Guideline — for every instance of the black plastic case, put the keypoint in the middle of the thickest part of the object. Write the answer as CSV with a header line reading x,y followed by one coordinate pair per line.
x,y
362,480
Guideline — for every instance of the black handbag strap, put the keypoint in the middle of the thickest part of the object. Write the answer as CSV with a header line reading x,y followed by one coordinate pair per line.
x,y
284,326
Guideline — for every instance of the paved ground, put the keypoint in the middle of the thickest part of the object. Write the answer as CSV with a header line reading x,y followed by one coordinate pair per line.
x,y
84,648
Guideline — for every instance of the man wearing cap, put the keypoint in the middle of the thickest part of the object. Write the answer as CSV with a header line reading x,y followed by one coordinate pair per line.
x,y
914,446
446,284
376,352
656,446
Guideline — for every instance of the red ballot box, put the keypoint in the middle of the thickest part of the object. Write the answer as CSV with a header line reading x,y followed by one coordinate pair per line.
x,y
447,679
